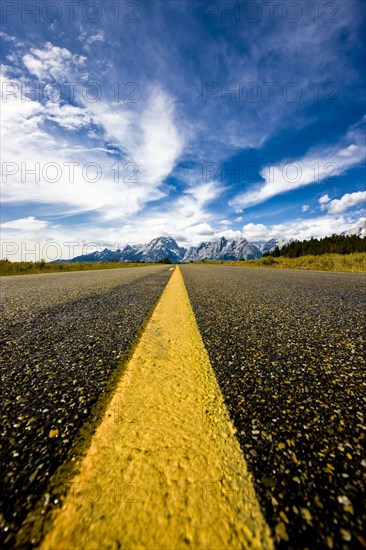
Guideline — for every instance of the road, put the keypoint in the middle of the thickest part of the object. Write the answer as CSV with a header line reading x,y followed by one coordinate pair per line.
x,y
62,336
167,472
288,351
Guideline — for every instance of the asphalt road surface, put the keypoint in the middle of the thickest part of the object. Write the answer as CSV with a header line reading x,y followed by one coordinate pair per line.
x,y
287,350
62,336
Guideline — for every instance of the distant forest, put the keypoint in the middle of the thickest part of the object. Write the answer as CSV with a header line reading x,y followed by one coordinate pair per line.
x,y
336,244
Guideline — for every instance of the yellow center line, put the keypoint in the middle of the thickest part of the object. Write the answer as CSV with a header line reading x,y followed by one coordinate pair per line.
x,y
164,469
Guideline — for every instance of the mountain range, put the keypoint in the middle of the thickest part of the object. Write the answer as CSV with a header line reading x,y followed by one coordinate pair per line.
x,y
166,247
359,229
221,249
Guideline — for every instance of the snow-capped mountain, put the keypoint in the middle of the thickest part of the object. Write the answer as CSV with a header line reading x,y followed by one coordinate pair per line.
x,y
223,249
161,247
157,249
166,247
359,229
107,255
270,245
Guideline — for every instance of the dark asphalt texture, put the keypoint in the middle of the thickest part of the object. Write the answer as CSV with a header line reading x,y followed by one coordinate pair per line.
x,y
61,339
287,350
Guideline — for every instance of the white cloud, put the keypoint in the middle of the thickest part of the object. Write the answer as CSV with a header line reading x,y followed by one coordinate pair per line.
x,y
201,230
161,143
147,135
98,37
227,233
299,229
348,151
291,174
324,199
88,40
21,119
186,218
25,224
53,62
28,240
349,200
8,38
305,207
140,228
255,231
68,116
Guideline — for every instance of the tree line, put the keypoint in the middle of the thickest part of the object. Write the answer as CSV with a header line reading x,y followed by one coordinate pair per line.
x,y
336,244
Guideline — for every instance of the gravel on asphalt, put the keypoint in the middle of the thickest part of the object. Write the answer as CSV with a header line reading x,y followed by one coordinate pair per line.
x,y
287,350
62,337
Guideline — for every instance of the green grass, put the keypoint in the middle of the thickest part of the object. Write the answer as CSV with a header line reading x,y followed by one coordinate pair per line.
x,y
31,268
352,263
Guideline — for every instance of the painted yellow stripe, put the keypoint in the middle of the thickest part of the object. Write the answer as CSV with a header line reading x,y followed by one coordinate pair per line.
x,y
164,469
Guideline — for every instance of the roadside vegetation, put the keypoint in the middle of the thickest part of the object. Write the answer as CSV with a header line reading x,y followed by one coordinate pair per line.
x,y
336,244
335,253
354,263
32,268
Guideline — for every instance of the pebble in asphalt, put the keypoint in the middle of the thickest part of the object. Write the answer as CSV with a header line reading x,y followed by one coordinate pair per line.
x,y
62,336
287,350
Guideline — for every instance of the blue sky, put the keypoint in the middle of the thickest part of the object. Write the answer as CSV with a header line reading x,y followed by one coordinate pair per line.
x,y
123,121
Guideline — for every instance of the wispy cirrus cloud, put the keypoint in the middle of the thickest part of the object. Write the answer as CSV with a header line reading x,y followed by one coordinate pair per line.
x,y
25,224
88,39
317,165
147,138
53,62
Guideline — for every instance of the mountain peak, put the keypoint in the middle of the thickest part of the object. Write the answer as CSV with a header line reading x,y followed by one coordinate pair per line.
x,y
223,249
359,229
161,247
163,239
